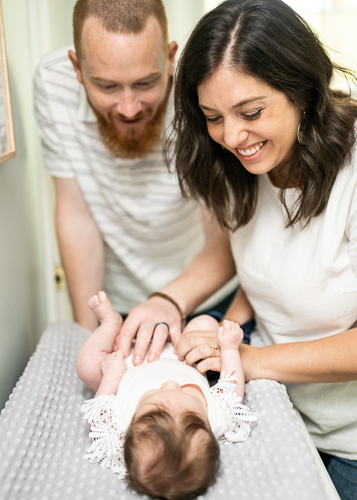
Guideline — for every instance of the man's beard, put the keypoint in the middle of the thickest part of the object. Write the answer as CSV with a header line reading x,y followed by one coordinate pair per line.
x,y
124,146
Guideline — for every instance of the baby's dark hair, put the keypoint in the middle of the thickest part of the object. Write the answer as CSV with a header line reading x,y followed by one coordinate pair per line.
x,y
172,458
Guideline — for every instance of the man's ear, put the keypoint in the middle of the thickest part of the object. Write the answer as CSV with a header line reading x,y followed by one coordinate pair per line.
x,y
172,53
74,59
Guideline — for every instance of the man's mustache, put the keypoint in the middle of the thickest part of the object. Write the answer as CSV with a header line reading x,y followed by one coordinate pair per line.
x,y
138,116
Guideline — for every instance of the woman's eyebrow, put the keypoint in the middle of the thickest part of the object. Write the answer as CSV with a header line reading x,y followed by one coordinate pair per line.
x,y
241,103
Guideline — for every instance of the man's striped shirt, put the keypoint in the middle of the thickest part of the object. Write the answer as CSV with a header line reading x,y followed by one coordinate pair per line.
x,y
150,233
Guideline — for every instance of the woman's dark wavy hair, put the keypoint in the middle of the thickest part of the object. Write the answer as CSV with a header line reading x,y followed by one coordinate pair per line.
x,y
269,41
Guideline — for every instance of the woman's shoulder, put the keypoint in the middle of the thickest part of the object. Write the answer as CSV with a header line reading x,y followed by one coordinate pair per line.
x,y
347,176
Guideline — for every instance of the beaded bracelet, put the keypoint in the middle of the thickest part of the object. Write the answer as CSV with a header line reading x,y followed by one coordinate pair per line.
x,y
170,299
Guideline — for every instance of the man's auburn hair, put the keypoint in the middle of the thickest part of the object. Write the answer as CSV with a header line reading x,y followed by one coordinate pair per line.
x,y
119,16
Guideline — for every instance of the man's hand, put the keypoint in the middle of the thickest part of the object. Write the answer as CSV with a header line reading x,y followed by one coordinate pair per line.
x,y
141,323
195,347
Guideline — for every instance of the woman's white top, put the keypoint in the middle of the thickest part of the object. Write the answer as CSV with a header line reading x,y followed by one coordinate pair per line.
x,y
110,416
302,284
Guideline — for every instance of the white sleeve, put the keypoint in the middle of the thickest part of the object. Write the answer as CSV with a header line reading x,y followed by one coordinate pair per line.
x,y
351,230
238,416
49,115
107,447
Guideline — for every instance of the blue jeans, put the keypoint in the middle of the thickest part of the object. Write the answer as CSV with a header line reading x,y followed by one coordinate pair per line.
x,y
343,473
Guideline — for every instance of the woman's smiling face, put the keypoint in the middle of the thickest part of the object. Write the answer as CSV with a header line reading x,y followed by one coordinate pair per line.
x,y
257,123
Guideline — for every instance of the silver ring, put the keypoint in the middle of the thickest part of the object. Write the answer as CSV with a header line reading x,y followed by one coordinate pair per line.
x,y
162,323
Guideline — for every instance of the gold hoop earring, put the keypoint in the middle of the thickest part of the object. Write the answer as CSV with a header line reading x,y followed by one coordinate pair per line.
x,y
300,141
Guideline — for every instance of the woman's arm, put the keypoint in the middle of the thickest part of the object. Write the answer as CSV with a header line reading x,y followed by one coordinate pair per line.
x,y
331,359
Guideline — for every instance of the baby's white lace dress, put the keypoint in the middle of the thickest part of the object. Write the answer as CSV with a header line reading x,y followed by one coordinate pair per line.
x,y
110,416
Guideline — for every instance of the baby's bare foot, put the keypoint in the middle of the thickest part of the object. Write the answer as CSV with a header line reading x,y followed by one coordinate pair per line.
x,y
102,308
230,335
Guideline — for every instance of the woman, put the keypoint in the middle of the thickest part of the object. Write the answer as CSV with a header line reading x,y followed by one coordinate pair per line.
x,y
271,148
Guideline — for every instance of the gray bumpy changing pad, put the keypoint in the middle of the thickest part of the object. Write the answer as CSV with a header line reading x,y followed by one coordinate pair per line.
x,y
43,439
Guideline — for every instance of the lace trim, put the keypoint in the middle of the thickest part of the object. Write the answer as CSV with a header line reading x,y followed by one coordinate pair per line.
x,y
238,416
107,447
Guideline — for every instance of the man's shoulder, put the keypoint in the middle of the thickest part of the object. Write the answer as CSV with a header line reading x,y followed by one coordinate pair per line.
x,y
56,85
56,66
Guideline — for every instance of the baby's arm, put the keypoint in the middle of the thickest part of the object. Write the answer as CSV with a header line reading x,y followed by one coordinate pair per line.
x,y
100,342
113,368
230,337
240,311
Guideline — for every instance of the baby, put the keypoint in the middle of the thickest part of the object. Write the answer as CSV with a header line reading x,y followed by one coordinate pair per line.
x,y
159,423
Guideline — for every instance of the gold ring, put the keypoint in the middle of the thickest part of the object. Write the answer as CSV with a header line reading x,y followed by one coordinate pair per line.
x,y
213,350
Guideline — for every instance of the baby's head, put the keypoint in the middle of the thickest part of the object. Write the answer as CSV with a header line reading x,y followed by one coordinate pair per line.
x,y
170,451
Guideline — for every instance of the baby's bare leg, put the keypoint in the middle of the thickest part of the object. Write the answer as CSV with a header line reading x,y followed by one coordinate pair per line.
x,y
204,322
100,342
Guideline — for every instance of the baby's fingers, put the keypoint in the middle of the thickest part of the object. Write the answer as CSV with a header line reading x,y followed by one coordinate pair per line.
x,y
220,335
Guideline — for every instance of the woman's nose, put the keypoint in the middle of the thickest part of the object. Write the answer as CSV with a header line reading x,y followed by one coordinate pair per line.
x,y
170,385
235,134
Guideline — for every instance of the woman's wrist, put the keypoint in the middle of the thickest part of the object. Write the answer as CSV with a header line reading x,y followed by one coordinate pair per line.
x,y
251,362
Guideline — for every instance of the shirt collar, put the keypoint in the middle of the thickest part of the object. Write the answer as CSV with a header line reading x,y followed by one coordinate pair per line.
x,y
85,112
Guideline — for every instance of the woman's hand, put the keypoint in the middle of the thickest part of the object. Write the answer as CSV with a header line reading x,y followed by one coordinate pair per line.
x,y
195,347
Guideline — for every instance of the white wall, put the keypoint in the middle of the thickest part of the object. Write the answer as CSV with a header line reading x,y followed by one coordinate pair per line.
x,y
183,16
22,313
24,304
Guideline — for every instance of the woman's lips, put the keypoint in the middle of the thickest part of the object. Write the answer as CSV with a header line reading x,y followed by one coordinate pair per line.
x,y
252,152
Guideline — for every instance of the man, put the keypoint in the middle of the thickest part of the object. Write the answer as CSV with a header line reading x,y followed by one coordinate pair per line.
x,y
122,224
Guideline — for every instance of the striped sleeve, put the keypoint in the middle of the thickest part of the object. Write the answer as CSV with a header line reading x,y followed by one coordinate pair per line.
x,y
49,115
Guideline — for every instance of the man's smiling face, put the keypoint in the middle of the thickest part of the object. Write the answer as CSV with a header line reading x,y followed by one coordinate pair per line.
x,y
127,79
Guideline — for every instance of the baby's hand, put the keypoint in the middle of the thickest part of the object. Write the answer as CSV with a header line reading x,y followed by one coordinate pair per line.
x,y
114,364
230,335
